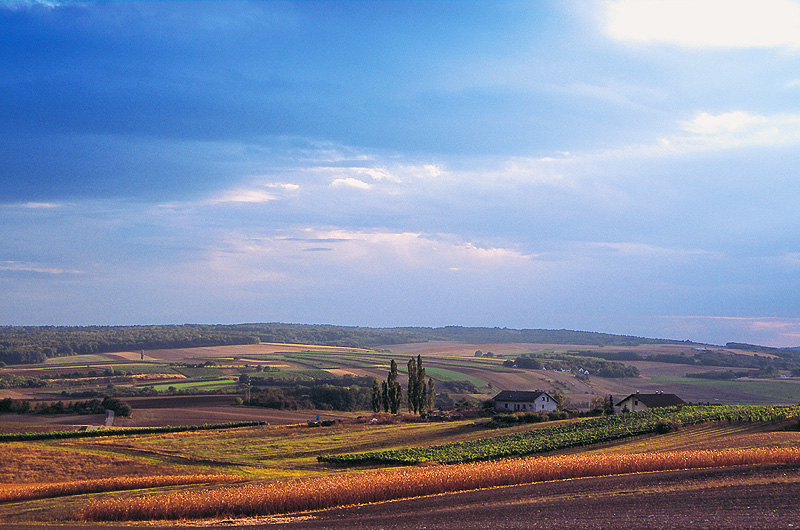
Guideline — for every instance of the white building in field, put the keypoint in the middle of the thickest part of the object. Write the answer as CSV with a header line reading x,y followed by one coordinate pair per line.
x,y
524,401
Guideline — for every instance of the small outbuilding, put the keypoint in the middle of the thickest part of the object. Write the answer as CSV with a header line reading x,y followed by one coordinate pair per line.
x,y
639,401
524,401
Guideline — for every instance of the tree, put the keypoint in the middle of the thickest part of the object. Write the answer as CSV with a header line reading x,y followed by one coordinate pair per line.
x,y
376,395
561,400
394,390
417,391
385,396
413,388
420,397
608,406
431,395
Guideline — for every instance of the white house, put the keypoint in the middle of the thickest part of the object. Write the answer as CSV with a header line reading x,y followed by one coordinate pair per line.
x,y
523,401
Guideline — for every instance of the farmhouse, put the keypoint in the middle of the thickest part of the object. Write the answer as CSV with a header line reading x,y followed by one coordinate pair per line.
x,y
639,401
520,400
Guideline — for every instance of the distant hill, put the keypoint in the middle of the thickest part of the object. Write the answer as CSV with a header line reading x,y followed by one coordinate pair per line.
x,y
540,336
34,344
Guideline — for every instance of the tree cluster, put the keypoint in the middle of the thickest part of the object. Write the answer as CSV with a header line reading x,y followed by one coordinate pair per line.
x,y
389,394
94,406
578,365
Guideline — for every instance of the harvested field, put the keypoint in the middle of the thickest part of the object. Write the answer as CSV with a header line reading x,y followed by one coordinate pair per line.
x,y
738,498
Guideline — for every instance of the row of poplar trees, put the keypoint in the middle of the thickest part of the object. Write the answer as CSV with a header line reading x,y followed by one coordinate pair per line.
x,y
389,393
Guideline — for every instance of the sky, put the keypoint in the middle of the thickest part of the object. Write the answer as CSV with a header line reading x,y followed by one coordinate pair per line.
x,y
618,166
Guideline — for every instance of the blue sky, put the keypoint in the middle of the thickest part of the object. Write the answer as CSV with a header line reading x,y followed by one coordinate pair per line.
x,y
616,166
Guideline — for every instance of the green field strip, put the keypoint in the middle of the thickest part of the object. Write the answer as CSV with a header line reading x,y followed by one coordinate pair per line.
x,y
444,374
184,385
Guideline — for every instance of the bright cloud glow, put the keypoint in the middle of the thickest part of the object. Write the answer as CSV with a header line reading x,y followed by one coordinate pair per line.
x,y
706,23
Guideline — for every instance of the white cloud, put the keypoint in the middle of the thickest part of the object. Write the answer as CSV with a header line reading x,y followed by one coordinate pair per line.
x,y
18,266
33,205
641,249
293,257
726,123
243,196
286,186
14,5
736,130
707,132
253,195
350,182
398,174
705,23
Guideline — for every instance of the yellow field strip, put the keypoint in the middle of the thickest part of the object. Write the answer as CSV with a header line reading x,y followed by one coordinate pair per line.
x,y
79,487
341,490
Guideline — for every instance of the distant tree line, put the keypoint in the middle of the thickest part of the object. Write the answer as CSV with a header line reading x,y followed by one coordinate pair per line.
x,y
34,344
577,365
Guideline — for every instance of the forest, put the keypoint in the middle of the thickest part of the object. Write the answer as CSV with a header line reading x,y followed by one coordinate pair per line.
x,y
34,344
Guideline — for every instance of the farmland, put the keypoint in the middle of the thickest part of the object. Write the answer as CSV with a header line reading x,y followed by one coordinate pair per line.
x,y
138,474
270,460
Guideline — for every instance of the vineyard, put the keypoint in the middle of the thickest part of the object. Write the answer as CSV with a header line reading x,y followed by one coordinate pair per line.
x,y
567,435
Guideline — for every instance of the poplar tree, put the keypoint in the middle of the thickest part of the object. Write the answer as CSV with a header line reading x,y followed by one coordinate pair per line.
x,y
394,390
413,388
419,385
385,396
431,394
376,395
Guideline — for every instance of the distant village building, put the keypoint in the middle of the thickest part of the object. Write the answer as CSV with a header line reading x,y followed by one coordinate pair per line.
x,y
521,400
638,401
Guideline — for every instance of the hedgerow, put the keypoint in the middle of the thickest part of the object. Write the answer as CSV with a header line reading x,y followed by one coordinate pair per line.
x,y
126,431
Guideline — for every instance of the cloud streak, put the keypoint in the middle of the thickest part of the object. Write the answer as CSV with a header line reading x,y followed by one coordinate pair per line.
x,y
705,23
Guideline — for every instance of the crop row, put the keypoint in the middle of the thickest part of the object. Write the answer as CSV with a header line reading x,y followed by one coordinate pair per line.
x,y
566,435
357,488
